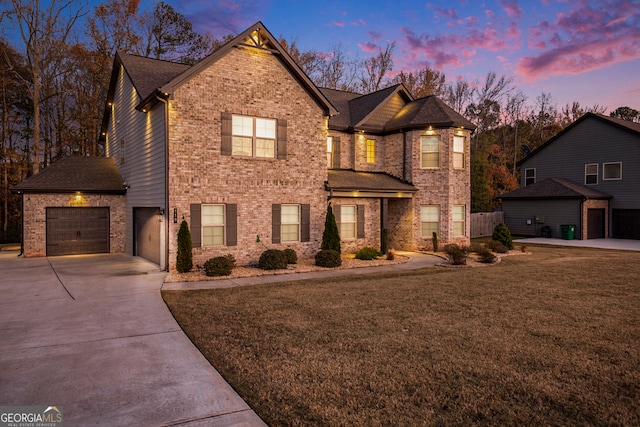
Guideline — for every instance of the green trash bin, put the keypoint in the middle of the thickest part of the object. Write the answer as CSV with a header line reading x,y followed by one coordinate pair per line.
x,y
568,232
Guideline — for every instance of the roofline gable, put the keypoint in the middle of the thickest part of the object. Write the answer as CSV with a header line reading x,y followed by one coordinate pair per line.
x,y
399,88
263,40
609,120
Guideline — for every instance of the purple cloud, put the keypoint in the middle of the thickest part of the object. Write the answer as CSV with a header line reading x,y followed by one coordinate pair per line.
x,y
369,47
375,35
512,8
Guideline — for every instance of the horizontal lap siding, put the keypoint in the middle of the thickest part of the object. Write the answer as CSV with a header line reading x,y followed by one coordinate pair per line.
x,y
555,213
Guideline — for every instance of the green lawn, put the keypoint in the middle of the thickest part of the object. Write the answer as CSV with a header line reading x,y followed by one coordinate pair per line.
x,y
551,338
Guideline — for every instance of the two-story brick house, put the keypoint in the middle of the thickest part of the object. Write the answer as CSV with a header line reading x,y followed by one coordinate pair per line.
x,y
246,149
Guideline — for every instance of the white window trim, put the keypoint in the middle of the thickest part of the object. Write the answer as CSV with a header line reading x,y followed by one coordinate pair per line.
x,y
329,152
424,152
283,223
534,176
462,153
203,225
597,174
422,221
604,178
255,137
354,222
463,221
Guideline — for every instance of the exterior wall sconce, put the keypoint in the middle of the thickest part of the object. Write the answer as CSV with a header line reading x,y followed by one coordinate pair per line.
x,y
430,131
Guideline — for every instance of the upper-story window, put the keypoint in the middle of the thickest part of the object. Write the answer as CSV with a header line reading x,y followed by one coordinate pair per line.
x,y
371,150
430,151
458,152
591,174
329,151
611,171
253,136
529,176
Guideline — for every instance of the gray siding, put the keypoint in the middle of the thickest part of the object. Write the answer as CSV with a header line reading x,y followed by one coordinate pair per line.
x,y
592,141
144,166
553,213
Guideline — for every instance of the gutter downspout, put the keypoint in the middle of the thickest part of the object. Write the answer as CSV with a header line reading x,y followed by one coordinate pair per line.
x,y
166,180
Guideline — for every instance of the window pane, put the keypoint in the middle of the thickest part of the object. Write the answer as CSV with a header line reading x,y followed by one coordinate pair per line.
x,y
430,143
458,213
212,214
242,125
347,213
266,128
591,169
347,230
329,144
612,171
265,147
530,173
242,146
213,236
289,233
458,144
428,228
430,213
458,228
430,160
290,214
348,222
458,160
371,151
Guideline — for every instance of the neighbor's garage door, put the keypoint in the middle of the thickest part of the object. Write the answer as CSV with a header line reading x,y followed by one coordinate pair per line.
x,y
625,223
147,232
73,231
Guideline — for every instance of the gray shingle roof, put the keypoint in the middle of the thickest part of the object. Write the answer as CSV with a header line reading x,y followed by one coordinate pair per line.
x,y
556,188
340,100
349,180
72,174
428,111
149,74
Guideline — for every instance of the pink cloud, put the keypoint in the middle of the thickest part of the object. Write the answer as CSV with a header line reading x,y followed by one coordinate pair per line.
x,y
375,35
582,39
369,47
338,23
512,8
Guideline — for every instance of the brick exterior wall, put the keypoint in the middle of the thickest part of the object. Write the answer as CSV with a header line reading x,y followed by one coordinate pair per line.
x,y
253,83
35,220
371,224
593,204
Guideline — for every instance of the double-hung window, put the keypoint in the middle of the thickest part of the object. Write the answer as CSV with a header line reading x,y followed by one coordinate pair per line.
x,y
253,136
430,220
611,171
529,176
348,222
290,223
591,174
458,152
213,223
458,220
430,151
329,152
371,150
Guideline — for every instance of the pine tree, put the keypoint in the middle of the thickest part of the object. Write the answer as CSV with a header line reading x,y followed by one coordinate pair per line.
x,y
330,235
184,261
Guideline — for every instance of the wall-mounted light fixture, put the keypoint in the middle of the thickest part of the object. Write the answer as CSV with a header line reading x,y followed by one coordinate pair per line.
x,y
430,131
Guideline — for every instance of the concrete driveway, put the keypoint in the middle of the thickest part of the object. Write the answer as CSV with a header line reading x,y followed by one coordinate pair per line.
x,y
92,335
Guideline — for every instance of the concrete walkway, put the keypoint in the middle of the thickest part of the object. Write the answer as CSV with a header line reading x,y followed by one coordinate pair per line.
x,y
619,244
92,335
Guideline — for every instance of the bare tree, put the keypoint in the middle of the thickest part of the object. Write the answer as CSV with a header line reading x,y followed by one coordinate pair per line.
x,y
424,82
336,70
459,95
40,30
376,68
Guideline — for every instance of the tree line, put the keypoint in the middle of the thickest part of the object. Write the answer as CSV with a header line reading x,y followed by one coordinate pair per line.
x,y
55,73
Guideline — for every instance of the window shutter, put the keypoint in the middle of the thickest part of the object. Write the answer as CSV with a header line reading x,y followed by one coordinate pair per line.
x,y
336,214
227,134
282,139
305,223
276,219
360,221
336,152
196,225
231,219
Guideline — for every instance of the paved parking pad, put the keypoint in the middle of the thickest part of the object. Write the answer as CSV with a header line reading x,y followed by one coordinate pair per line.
x,y
92,334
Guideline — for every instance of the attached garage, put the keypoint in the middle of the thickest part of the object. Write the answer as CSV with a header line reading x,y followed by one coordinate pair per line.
x,y
625,223
74,206
74,231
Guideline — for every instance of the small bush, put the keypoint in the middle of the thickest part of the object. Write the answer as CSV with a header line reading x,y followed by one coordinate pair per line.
x,y
272,259
219,266
457,255
328,258
497,247
486,255
391,255
477,247
434,241
292,256
502,234
367,253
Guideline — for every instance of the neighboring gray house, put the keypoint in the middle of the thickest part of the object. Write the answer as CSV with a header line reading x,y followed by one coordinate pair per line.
x,y
588,176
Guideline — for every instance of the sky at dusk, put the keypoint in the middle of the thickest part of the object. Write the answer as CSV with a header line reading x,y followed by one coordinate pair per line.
x,y
586,51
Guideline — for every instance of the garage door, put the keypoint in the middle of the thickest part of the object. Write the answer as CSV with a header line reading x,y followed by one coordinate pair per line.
x,y
147,232
73,231
625,223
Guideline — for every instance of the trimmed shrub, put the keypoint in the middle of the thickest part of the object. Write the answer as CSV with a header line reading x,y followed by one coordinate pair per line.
x,y
367,253
502,234
477,247
434,241
330,235
457,255
184,259
486,255
328,258
272,259
292,256
220,265
497,247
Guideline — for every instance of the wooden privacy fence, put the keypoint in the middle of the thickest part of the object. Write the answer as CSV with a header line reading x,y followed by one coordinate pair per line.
x,y
483,223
